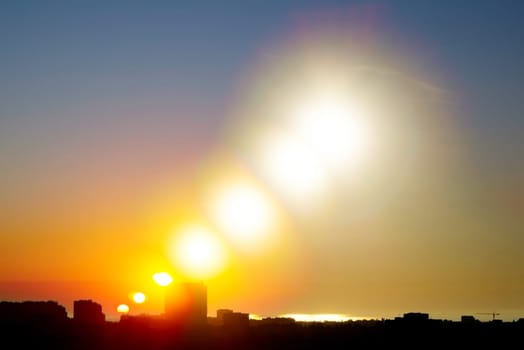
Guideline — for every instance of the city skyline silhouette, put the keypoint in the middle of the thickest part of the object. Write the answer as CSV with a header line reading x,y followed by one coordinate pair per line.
x,y
186,325
341,160
187,303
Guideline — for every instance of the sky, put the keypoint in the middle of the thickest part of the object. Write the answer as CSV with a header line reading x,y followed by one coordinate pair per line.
x,y
363,158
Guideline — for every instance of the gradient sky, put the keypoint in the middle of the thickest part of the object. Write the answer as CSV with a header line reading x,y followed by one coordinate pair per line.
x,y
116,116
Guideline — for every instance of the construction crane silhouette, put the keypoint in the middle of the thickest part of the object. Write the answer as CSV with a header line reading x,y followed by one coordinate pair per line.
x,y
493,314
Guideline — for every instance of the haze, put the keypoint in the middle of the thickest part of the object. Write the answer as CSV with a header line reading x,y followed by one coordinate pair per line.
x,y
335,157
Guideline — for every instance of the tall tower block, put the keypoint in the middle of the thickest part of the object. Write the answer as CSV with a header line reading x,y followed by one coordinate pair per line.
x,y
186,304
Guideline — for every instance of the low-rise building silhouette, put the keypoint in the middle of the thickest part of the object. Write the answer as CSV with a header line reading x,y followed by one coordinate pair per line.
x,y
88,312
415,317
467,319
220,315
235,320
276,321
32,312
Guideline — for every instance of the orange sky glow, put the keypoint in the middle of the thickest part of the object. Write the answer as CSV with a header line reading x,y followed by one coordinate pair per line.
x,y
339,181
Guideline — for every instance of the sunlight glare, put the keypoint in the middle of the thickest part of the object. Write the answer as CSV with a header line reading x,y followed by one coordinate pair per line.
x,y
243,213
139,297
197,252
291,166
122,308
318,317
162,279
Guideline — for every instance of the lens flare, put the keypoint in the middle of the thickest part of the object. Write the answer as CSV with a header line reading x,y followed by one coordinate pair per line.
x,y
139,297
162,279
290,166
243,213
122,309
197,252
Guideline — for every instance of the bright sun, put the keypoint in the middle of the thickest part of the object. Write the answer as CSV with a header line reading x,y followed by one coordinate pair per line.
x,y
197,252
333,128
322,134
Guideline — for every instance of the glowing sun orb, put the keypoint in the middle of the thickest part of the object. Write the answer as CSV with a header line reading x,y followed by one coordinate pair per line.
x,y
139,297
197,252
122,308
162,279
243,213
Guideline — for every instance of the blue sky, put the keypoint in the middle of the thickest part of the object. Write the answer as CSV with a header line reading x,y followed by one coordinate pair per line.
x,y
63,52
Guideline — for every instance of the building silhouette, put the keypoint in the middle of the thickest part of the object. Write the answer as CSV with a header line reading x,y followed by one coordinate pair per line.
x,y
44,325
416,317
186,304
220,315
32,312
231,319
88,312
467,319
236,320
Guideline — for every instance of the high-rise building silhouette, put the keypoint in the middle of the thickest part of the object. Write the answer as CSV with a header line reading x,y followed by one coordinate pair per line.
x,y
186,304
